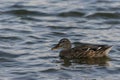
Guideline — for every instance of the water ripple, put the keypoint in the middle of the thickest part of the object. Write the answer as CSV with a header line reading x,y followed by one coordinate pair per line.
x,y
50,70
6,59
28,30
71,14
24,12
6,54
10,38
104,15
16,30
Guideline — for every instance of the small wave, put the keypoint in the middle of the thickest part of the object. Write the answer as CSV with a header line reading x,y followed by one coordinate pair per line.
x,y
34,37
58,33
48,57
21,5
17,6
112,22
25,12
107,41
61,27
49,70
15,30
104,15
6,54
5,59
25,77
118,48
71,14
9,38
32,42
30,19
19,73
115,70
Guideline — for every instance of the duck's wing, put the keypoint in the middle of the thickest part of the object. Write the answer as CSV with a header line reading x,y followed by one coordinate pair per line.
x,y
88,46
80,44
91,50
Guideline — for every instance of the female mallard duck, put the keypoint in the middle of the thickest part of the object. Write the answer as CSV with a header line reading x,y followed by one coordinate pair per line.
x,y
84,50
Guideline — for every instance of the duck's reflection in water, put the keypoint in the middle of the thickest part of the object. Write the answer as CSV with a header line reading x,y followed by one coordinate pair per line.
x,y
89,61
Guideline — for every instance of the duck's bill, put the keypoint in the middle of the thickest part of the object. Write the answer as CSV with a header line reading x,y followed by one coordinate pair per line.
x,y
56,47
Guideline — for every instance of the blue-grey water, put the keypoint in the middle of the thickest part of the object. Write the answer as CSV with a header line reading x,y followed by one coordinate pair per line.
x,y
30,28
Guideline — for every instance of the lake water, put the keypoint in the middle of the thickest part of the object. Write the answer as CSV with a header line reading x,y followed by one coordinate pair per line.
x,y
30,28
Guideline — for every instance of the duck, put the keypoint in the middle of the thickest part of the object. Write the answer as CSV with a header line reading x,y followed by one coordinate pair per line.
x,y
84,50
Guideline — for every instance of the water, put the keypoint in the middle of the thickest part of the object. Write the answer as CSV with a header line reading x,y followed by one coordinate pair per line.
x,y
30,28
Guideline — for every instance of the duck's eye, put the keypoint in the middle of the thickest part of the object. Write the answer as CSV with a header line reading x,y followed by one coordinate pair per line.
x,y
64,41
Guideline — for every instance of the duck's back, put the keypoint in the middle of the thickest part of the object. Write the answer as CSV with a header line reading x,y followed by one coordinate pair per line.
x,y
86,50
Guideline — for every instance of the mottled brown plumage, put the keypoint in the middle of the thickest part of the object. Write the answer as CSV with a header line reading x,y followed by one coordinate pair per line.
x,y
81,51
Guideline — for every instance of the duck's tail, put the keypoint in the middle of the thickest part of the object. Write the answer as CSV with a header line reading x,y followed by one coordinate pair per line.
x,y
107,49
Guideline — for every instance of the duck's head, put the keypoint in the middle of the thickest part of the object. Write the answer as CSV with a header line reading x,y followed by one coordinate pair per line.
x,y
63,44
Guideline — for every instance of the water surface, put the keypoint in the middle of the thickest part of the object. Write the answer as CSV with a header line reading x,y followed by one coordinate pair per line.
x,y
28,30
